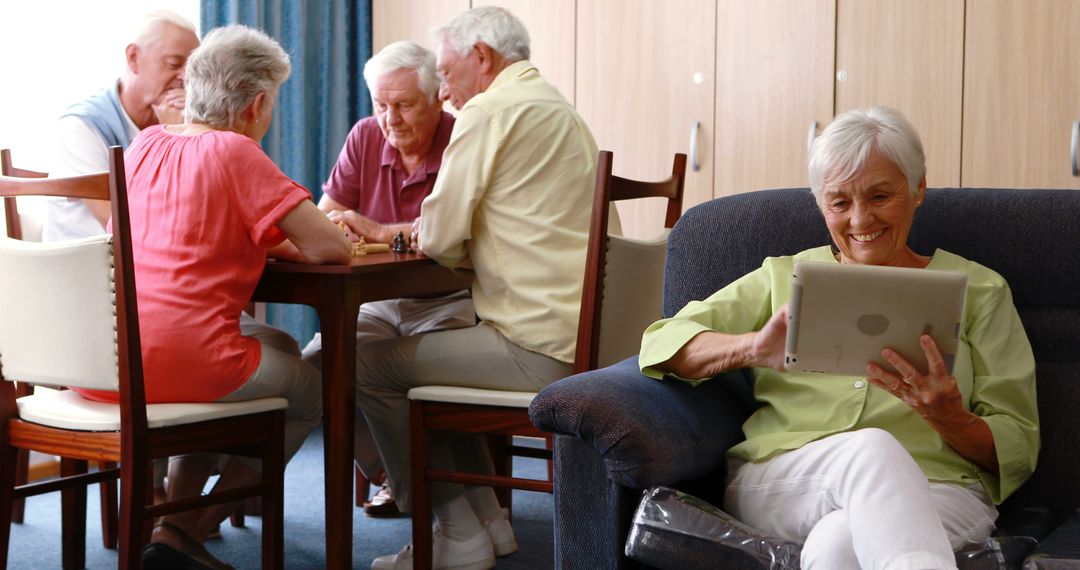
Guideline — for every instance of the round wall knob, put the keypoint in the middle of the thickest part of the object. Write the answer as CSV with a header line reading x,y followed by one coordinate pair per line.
x,y
841,75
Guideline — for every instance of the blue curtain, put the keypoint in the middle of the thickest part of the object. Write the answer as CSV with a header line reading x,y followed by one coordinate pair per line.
x,y
328,42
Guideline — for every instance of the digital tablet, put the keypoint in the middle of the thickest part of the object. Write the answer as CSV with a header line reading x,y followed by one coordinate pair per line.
x,y
840,316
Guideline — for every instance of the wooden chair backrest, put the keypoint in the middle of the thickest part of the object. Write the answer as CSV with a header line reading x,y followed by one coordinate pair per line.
x,y
600,275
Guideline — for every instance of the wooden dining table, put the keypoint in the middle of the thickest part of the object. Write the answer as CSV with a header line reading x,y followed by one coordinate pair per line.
x,y
336,292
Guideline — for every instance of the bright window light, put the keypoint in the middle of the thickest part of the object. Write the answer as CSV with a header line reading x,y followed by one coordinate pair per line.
x,y
55,53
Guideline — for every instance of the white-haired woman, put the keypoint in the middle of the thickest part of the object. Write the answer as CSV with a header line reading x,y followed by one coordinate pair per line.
x,y
897,472
209,206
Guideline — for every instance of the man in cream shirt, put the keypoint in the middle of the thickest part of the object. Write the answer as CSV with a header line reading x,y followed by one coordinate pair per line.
x,y
512,204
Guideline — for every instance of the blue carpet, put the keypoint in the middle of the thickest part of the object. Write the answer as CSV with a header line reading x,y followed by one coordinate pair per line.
x,y
36,542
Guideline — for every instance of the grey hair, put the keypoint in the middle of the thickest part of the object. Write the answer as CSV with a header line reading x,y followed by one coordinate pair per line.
x,y
147,29
492,25
405,55
233,65
843,148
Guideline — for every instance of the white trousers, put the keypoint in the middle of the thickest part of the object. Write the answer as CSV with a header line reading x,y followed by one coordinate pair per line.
x,y
859,500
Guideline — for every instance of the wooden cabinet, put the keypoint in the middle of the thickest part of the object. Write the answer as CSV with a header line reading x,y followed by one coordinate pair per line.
x,y
1021,93
394,20
909,55
644,78
992,86
773,83
551,38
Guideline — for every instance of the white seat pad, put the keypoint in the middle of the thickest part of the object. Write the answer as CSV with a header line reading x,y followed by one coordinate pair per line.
x,y
66,409
458,395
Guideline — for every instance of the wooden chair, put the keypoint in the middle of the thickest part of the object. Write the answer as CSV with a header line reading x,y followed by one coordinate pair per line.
x,y
622,274
71,319
109,520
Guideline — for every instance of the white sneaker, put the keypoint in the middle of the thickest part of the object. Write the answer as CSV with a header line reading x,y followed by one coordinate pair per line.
x,y
502,536
475,553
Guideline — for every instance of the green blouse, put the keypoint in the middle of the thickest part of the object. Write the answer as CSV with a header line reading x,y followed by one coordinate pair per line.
x,y
994,368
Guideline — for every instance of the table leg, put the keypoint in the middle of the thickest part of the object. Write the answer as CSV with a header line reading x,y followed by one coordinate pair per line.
x,y
337,308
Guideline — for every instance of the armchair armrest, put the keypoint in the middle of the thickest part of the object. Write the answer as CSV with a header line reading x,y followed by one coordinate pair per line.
x,y
647,432
1061,549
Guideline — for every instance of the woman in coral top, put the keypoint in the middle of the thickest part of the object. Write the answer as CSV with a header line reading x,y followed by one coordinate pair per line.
x,y
207,207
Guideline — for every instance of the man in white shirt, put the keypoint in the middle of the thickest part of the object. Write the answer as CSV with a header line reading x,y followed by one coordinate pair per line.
x,y
151,91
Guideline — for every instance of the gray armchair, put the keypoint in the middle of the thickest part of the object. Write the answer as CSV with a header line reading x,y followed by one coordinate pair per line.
x,y
619,433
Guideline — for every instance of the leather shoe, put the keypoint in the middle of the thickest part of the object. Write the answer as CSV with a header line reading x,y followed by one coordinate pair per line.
x,y
382,504
475,553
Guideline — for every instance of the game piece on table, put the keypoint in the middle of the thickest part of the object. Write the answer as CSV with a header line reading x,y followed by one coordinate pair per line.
x,y
399,243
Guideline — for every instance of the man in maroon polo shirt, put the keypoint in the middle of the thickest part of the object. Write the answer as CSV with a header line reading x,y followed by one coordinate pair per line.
x,y
385,170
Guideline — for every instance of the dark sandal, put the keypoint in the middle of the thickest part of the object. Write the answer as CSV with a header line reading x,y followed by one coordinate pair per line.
x,y
160,556
194,549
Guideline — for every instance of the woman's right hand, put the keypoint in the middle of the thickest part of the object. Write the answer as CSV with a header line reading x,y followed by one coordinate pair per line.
x,y
769,343
710,353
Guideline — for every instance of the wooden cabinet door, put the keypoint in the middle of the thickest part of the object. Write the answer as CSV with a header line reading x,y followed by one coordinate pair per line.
x,y
907,54
1021,93
644,78
773,82
393,20
551,37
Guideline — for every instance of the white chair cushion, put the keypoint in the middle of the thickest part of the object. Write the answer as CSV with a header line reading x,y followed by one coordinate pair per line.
x,y
59,313
458,395
633,295
66,409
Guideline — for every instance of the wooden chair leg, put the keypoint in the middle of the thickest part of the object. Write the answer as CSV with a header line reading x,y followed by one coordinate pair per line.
x,y
136,493
7,483
110,521
22,462
273,513
363,486
73,516
22,476
421,492
499,445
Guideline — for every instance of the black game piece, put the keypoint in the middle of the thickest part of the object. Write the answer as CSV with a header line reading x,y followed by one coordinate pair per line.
x,y
399,243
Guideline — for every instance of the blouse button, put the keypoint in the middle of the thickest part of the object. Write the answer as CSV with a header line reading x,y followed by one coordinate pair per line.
x,y
858,384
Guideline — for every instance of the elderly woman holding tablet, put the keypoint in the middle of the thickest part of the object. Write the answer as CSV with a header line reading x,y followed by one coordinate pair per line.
x,y
207,207
895,469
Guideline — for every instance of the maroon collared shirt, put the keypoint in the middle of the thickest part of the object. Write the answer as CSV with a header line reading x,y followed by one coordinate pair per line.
x,y
370,178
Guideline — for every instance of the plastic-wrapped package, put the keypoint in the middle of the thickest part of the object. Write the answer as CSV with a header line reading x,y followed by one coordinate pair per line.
x,y
674,530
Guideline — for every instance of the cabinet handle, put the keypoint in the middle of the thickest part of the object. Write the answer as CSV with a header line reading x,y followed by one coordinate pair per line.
x,y
1075,144
810,136
694,166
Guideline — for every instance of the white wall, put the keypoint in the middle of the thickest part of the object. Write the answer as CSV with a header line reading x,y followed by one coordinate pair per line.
x,y
55,52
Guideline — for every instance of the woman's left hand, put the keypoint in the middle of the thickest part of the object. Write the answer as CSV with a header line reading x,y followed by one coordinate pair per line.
x,y
934,395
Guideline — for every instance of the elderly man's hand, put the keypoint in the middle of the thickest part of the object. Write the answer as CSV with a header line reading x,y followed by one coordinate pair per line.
x,y
414,236
934,395
169,110
341,219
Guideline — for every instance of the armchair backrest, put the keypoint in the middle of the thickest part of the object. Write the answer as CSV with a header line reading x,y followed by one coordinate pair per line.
x,y
1029,236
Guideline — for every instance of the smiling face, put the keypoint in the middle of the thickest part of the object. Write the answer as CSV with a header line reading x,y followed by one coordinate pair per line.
x,y
407,118
869,216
